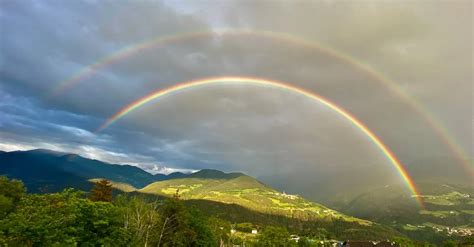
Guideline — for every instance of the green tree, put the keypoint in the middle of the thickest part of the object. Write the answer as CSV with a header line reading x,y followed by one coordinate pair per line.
x,y
141,219
200,225
11,191
175,229
220,229
65,218
102,191
403,241
449,243
274,236
304,242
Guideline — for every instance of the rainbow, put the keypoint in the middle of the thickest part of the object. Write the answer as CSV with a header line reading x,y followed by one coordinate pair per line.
x,y
283,86
131,50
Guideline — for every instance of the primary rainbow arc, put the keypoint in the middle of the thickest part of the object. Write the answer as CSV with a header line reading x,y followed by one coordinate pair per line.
x,y
128,51
280,85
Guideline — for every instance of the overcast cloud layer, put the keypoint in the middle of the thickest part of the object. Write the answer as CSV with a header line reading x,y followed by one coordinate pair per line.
x,y
425,47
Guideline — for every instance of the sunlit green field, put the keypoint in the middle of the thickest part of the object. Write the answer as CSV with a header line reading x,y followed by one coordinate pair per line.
x,y
449,199
248,192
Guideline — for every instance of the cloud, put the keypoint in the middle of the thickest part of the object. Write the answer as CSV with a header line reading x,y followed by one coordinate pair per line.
x,y
425,47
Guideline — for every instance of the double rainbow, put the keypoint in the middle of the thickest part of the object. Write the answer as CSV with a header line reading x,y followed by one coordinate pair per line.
x,y
131,50
279,85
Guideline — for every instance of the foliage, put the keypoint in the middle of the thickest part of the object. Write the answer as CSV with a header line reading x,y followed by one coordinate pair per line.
x,y
70,218
135,219
11,191
63,218
274,236
175,230
102,191
200,225
141,218
304,242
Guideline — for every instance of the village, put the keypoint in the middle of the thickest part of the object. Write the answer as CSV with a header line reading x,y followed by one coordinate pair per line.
x,y
450,231
248,238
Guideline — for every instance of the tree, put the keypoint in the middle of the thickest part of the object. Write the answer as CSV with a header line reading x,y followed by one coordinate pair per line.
x,y
201,226
141,219
65,218
175,229
11,191
220,229
304,242
449,243
102,191
274,236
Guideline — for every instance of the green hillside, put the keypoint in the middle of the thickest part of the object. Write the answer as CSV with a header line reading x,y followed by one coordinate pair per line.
x,y
247,192
447,212
241,199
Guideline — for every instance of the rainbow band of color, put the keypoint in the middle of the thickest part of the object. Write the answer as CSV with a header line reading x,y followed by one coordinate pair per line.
x,y
131,50
280,85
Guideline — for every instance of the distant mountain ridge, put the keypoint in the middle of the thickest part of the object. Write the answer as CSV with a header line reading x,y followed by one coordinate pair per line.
x,y
448,210
42,169
214,191
48,171
233,196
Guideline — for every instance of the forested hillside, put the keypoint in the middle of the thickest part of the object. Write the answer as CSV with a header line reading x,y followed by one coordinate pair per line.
x,y
74,217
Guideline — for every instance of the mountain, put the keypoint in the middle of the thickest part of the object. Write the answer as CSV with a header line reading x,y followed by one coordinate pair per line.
x,y
239,198
47,170
448,210
242,190
235,197
171,175
52,171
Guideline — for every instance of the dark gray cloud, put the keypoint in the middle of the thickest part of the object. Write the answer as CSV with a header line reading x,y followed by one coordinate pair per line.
x,y
424,47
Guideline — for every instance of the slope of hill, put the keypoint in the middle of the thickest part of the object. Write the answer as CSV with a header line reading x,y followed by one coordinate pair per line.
x,y
447,211
232,196
239,189
239,198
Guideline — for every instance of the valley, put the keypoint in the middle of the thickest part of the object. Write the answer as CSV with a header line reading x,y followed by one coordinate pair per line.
x,y
241,199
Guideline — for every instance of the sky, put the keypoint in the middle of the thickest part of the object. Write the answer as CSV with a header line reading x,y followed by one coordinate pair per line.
x,y
422,48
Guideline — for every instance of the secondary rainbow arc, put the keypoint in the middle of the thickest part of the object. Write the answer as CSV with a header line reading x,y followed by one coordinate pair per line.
x,y
130,50
280,85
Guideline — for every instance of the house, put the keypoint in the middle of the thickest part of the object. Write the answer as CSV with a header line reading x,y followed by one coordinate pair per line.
x,y
370,243
289,196
254,231
334,243
358,243
295,238
387,244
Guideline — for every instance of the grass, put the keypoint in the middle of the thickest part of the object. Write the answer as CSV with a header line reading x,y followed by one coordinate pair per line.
x,y
410,227
449,199
247,192
439,213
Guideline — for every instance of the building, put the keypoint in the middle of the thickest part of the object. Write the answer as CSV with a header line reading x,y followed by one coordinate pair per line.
x,y
370,244
295,238
358,243
386,244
